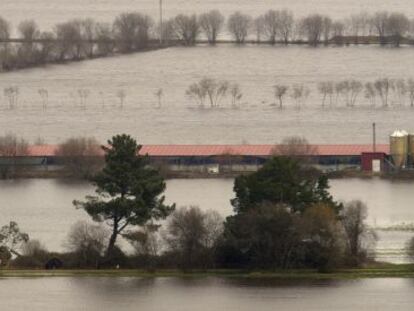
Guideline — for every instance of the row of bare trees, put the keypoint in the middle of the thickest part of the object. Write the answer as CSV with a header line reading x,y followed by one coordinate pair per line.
x,y
212,92
281,26
381,92
72,40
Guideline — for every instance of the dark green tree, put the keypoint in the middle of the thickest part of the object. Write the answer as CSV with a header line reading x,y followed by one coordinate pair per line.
x,y
128,190
282,180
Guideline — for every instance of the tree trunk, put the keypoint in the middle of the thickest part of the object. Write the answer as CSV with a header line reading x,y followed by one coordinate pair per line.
x,y
112,240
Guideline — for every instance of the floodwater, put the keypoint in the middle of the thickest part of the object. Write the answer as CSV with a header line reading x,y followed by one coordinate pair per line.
x,y
202,294
43,207
256,68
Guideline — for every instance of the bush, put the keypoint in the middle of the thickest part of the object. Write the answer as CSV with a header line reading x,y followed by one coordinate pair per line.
x,y
192,236
81,156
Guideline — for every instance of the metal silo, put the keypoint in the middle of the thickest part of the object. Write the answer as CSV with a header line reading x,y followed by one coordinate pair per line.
x,y
399,148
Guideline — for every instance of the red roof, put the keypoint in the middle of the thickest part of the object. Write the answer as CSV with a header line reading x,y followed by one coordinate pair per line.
x,y
212,150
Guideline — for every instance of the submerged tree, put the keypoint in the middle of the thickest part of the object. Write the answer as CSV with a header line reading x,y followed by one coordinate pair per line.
x,y
128,191
359,237
236,94
121,94
280,92
382,88
159,94
208,88
12,95
326,88
44,95
370,92
410,90
299,93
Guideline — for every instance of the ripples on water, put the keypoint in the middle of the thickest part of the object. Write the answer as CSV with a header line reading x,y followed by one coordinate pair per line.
x,y
175,294
257,69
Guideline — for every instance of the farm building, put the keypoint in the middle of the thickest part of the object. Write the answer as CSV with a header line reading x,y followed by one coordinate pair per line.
x,y
222,158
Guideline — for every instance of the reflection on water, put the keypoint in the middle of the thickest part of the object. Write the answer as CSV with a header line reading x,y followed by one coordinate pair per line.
x,y
43,207
176,294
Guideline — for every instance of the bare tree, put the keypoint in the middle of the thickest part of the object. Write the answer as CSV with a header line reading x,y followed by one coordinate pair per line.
x,y
47,47
236,94
105,40
312,27
187,28
400,89
350,89
410,90
208,88
121,94
159,94
370,92
196,92
258,27
146,242
4,29
132,31
81,156
11,94
83,96
280,92
382,88
338,29
88,35
271,25
88,243
326,88
12,146
398,26
379,22
69,40
296,147
299,93
286,23
238,25
356,87
28,31
327,29
212,24
359,237
193,235
44,96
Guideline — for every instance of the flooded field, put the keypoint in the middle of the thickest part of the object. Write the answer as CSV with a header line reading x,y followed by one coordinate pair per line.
x,y
179,120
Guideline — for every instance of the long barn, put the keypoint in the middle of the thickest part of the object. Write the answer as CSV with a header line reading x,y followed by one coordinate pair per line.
x,y
216,158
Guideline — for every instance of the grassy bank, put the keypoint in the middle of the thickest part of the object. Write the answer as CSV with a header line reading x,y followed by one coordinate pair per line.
x,y
385,271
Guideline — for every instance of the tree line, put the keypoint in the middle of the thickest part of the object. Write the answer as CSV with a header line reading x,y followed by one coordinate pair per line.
x,y
216,93
211,92
284,218
85,38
